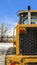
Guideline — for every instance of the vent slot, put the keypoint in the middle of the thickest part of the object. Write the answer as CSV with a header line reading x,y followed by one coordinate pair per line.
x,y
32,64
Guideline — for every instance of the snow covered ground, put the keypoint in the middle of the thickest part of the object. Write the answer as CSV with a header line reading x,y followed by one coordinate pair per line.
x,y
3,48
5,45
2,59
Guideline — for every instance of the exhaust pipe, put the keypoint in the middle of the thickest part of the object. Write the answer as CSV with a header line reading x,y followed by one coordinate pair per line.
x,y
29,15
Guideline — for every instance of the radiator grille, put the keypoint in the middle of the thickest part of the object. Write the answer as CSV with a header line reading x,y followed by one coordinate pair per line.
x,y
28,41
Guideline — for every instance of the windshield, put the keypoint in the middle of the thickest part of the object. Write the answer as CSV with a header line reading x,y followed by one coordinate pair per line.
x,y
24,19
34,19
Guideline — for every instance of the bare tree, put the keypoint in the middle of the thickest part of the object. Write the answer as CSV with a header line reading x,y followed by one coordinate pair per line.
x,y
3,30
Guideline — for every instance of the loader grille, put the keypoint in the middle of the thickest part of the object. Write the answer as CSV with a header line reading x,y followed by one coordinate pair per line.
x,y
28,41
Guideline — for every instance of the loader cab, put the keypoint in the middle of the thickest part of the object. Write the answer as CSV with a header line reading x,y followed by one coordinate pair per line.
x,y
28,17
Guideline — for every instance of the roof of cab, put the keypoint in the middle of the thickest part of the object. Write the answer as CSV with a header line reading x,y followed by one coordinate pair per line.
x,y
26,11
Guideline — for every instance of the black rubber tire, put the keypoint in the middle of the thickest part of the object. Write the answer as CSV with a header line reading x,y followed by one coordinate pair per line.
x,y
11,51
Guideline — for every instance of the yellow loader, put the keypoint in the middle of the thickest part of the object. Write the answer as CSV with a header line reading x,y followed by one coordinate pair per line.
x,y
24,50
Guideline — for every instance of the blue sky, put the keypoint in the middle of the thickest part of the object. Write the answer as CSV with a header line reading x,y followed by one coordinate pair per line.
x,y
9,9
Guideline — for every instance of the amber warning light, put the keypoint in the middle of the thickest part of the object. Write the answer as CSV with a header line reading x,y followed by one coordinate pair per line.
x,y
22,31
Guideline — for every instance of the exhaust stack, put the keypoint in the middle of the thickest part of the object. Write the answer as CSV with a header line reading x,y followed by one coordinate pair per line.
x,y
29,15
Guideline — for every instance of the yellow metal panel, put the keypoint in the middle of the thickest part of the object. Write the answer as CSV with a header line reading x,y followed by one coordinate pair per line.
x,y
27,25
30,60
17,40
26,59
